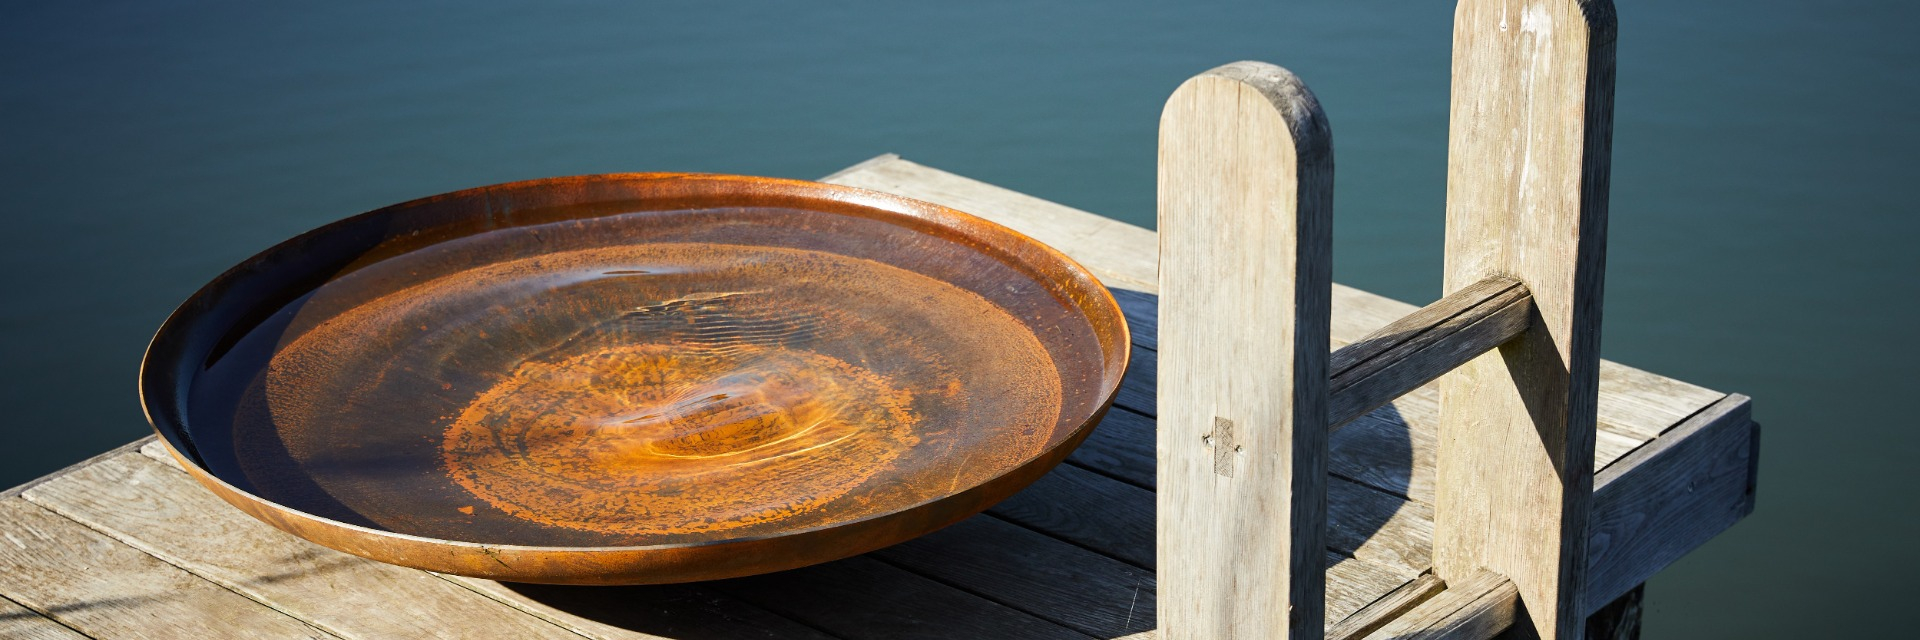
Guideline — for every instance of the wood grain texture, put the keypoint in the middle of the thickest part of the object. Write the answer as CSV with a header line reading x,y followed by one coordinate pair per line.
x,y
23,487
1475,607
1246,210
1425,344
1528,152
1391,449
861,598
1690,491
1057,551
1082,587
1121,446
1684,488
1103,501
1633,402
1394,449
1142,310
1089,510
1365,526
1121,254
1388,608
161,511
104,589
20,623
1026,570
645,613
1634,405
1126,251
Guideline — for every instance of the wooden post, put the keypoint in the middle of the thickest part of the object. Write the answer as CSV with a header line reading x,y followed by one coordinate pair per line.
x,y
1246,195
1527,199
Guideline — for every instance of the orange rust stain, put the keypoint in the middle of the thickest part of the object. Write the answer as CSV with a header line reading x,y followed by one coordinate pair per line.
x,y
657,438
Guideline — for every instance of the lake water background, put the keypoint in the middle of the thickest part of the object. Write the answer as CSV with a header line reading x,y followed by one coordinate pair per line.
x,y
1762,239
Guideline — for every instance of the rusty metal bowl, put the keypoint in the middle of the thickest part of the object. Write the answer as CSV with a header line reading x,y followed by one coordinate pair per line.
x,y
635,378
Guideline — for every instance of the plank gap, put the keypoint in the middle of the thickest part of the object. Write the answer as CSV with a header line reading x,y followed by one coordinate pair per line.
x,y
989,598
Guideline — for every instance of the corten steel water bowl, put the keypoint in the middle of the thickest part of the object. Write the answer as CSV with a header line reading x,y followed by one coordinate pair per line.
x,y
636,378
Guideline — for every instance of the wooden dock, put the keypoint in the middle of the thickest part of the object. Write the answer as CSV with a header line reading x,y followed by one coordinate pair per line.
x,y
126,545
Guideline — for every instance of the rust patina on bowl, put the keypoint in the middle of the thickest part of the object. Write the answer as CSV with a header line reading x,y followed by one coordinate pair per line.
x,y
637,378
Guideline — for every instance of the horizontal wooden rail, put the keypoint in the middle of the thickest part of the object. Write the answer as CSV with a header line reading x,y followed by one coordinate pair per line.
x,y
1426,344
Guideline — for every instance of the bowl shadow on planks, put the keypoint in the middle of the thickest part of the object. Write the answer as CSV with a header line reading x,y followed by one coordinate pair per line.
x,y
1070,557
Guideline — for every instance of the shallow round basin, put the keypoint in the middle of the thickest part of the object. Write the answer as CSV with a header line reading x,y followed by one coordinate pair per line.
x,y
636,378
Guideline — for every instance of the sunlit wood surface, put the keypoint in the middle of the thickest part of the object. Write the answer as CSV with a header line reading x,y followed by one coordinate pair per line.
x,y
127,545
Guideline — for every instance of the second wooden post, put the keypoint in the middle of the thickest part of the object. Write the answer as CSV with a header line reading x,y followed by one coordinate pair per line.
x,y
1528,156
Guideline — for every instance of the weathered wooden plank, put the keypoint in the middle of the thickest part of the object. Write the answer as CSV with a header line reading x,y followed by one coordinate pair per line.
x,y
1142,311
1379,449
104,589
20,623
21,488
1122,255
1685,487
1527,170
650,612
1372,526
1353,584
160,511
623,612
1670,496
1476,607
1391,449
1637,403
1380,528
1424,345
1419,321
1389,452
862,598
863,165
1087,509
1641,402
640,613
1103,246
1126,253
1077,587
1416,612
1632,402
1418,409
1246,243
1388,608
1408,427
1127,453
1139,387
1121,446
1023,569
1116,519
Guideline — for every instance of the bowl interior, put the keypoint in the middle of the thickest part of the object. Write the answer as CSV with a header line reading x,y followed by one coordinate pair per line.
x,y
634,360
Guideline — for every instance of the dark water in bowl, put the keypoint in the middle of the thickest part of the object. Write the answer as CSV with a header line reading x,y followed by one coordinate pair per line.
x,y
1762,239
649,378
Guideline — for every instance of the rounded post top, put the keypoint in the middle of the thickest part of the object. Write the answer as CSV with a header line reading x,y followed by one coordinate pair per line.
x,y
1288,95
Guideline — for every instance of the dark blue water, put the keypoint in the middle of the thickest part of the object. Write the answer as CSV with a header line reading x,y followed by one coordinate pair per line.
x,y
1761,238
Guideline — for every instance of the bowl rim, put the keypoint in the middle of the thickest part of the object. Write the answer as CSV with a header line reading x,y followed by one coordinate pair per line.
x,y
890,206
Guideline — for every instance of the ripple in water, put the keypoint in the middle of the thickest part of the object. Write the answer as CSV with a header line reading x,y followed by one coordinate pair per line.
x,y
639,394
